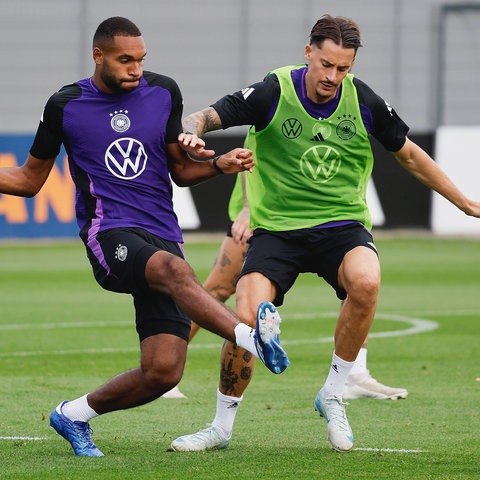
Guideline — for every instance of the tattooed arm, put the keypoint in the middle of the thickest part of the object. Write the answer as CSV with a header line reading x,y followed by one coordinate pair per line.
x,y
195,126
201,122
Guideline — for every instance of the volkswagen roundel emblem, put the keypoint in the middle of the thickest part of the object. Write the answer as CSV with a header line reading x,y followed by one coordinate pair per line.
x,y
320,163
126,158
292,128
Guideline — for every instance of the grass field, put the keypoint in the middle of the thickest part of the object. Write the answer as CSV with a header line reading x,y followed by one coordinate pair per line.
x,y
61,336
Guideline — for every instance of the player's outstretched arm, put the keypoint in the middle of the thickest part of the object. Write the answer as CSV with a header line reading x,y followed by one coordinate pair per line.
x,y
423,167
186,171
26,180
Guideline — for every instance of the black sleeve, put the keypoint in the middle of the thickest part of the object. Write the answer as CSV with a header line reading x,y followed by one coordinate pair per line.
x,y
249,106
387,127
174,124
49,136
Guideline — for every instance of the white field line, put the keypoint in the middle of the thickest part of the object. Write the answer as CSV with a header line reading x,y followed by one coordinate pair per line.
x,y
58,325
392,450
417,325
294,316
387,450
24,438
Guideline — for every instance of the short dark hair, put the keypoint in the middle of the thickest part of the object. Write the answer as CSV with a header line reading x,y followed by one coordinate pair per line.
x,y
341,30
113,27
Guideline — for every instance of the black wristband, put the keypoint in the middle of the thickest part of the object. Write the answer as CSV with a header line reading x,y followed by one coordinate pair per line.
x,y
189,133
215,166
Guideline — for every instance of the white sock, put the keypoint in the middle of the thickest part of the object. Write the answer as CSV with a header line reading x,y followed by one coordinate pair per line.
x,y
244,338
226,410
339,370
360,365
79,410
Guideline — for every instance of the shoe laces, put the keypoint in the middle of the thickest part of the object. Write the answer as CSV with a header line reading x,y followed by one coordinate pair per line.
x,y
84,432
209,432
336,412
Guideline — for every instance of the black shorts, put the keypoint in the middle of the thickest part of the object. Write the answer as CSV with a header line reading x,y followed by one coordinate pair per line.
x,y
118,257
282,256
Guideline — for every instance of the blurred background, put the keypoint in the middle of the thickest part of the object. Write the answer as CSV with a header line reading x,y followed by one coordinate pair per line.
x,y
421,56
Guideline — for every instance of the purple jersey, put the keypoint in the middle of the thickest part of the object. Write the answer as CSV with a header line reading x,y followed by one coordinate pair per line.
x,y
116,146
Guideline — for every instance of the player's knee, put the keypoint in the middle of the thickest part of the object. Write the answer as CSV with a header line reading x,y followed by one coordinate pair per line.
x,y
162,376
167,272
163,372
364,288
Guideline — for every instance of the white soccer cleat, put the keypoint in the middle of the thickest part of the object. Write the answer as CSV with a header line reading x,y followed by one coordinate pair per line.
x,y
363,385
332,409
210,438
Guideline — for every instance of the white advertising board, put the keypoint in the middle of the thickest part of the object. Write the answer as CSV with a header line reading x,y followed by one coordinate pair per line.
x,y
457,153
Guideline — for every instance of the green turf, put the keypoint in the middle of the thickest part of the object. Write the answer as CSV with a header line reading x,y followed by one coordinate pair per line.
x,y
61,336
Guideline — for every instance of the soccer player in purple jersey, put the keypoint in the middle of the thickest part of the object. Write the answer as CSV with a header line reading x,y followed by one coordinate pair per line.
x,y
120,129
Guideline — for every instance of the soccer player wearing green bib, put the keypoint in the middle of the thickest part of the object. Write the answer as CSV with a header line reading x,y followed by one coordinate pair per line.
x,y
310,128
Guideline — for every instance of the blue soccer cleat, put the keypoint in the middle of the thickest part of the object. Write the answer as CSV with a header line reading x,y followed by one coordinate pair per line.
x,y
267,342
77,433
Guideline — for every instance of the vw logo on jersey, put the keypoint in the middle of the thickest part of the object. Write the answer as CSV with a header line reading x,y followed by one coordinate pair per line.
x,y
292,128
320,163
119,121
126,158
